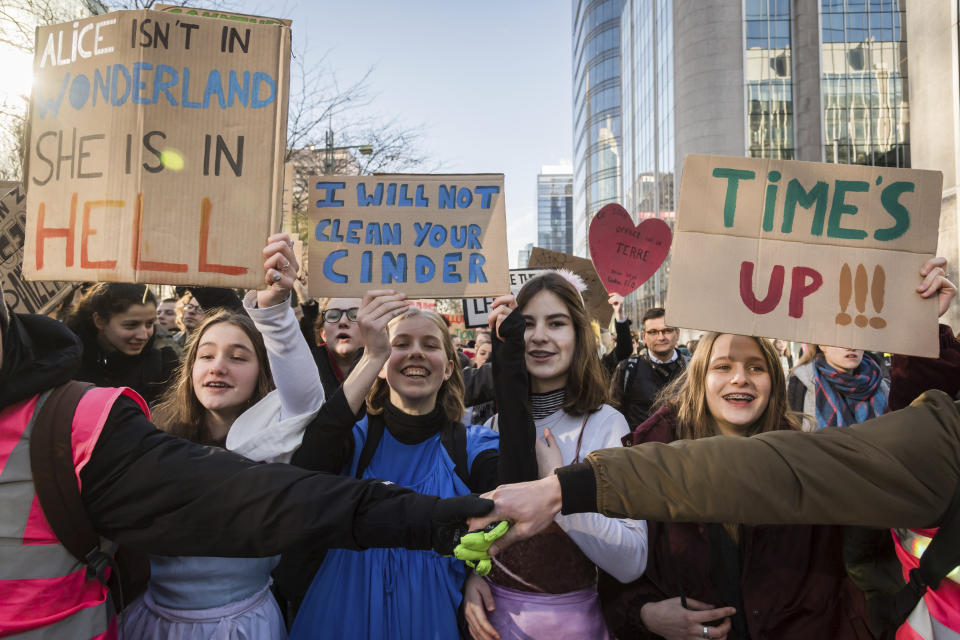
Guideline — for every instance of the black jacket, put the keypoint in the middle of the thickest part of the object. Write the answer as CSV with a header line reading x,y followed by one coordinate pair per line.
x,y
328,375
635,398
148,373
165,495
620,352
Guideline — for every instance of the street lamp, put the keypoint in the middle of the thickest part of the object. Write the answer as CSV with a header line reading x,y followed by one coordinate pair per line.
x,y
328,164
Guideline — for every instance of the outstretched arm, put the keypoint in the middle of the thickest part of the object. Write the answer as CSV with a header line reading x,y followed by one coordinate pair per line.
x,y
898,470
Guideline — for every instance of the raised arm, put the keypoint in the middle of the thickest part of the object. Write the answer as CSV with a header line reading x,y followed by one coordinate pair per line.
x,y
518,435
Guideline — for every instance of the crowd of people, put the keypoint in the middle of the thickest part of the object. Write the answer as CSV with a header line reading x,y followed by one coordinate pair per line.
x,y
312,465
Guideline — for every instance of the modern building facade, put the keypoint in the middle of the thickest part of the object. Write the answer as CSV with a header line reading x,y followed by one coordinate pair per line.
x,y
817,80
935,114
596,112
555,208
523,256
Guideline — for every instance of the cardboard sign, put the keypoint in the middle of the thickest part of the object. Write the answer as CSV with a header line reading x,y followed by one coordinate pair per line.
x,y
430,236
476,310
19,295
627,255
822,253
595,297
155,148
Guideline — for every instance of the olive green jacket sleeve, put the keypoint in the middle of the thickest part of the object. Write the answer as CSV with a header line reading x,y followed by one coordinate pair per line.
x,y
898,470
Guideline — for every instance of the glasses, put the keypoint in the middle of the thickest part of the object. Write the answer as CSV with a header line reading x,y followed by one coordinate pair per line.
x,y
666,333
334,315
191,307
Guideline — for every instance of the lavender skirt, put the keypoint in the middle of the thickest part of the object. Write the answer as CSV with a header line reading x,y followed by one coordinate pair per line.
x,y
522,615
255,618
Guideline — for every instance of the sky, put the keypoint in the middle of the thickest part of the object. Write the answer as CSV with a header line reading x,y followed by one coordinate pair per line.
x,y
490,82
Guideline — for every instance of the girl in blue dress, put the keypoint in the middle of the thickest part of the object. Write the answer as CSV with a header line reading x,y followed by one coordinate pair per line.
x,y
410,384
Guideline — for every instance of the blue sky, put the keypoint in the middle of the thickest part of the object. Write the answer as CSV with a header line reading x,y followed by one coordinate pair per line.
x,y
489,81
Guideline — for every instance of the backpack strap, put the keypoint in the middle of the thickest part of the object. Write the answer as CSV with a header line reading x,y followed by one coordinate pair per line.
x,y
55,480
454,440
630,369
375,427
938,559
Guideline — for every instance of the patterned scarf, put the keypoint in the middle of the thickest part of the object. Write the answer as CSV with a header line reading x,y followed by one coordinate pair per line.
x,y
844,398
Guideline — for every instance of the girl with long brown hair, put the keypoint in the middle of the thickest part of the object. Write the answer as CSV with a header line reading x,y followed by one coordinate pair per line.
x,y
224,379
551,397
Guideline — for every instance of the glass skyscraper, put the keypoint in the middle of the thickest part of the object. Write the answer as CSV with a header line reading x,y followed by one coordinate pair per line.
x,y
596,112
555,209
820,80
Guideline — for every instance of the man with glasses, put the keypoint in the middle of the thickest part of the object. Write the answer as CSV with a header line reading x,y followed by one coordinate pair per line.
x,y
341,345
640,377
189,317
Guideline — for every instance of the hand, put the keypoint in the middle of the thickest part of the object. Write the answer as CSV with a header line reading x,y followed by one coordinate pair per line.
x,y
448,521
934,272
548,454
376,310
499,310
477,600
616,301
529,506
280,267
669,619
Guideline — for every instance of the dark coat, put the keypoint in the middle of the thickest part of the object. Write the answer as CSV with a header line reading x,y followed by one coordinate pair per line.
x,y
635,398
793,584
148,373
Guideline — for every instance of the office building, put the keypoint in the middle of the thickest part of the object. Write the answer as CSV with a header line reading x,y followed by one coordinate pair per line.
x,y
817,80
596,112
555,208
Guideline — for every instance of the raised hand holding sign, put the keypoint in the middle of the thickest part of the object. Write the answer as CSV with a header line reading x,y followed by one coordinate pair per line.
x,y
627,255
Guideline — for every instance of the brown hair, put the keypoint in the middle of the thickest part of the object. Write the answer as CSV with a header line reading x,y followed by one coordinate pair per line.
x,y
586,388
179,412
687,395
450,393
107,299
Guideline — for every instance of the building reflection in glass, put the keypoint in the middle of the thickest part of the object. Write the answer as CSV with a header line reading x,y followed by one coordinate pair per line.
x,y
864,82
769,82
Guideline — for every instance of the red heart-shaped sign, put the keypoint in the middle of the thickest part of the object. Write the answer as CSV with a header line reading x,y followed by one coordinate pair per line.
x,y
627,255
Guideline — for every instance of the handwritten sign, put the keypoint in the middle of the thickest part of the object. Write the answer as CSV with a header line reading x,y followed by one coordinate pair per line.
x,y
595,297
627,255
805,251
476,310
19,295
155,148
431,236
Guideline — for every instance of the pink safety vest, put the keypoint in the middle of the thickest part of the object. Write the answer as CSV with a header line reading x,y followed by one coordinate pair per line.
x,y
44,590
937,615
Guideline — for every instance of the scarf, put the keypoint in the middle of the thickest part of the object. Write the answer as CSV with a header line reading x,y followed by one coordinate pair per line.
x,y
844,398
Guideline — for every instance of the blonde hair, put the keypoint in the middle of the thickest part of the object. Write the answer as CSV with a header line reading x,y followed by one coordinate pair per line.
x,y
450,393
687,394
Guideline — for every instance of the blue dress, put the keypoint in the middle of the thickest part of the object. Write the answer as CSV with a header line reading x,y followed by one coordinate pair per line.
x,y
393,594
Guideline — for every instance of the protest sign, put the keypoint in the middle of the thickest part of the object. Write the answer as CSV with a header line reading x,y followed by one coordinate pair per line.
x,y
19,295
216,13
430,236
476,310
810,252
155,153
626,255
595,297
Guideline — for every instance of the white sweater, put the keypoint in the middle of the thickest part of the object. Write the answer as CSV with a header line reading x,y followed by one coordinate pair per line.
x,y
272,429
616,545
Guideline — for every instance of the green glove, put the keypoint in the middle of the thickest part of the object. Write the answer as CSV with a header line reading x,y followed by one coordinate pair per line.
x,y
473,547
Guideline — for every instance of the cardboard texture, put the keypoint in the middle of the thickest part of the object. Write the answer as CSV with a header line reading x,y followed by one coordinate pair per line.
x,y
223,15
627,255
155,148
595,297
19,295
430,236
810,252
476,310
